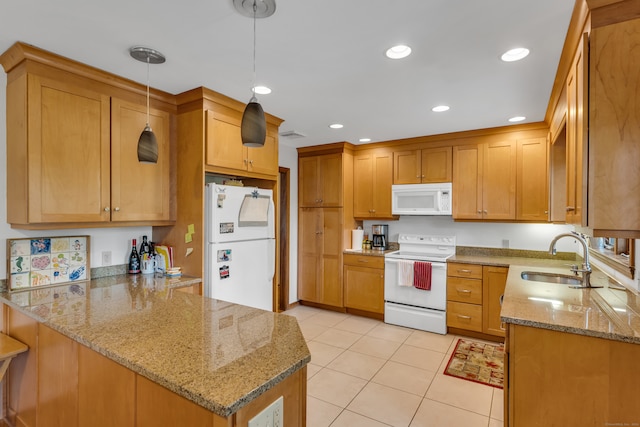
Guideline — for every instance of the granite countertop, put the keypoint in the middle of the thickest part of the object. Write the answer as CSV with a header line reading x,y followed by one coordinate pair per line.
x,y
393,246
611,312
216,354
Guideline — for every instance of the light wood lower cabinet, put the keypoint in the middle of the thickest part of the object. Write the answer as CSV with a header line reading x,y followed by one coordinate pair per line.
x,y
563,379
364,283
473,297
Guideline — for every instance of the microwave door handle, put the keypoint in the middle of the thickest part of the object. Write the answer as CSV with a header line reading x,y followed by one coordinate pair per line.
x,y
439,201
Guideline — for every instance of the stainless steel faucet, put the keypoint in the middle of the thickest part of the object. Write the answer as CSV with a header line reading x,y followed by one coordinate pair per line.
x,y
586,266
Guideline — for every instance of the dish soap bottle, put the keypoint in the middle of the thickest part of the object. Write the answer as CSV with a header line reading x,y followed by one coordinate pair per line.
x,y
134,259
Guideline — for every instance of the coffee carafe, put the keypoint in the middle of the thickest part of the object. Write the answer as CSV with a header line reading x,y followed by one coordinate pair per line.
x,y
380,237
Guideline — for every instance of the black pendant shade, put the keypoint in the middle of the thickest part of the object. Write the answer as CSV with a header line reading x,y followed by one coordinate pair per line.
x,y
253,129
147,146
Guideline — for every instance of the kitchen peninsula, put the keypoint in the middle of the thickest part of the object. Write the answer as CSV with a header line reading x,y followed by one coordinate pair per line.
x,y
136,351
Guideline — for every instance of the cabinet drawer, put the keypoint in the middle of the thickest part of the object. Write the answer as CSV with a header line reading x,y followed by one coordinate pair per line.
x,y
464,290
472,271
464,316
364,261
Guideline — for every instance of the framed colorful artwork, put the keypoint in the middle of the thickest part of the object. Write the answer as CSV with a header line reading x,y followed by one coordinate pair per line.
x,y
45,261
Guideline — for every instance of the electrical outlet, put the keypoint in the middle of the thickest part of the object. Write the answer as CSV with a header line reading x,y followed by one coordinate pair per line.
x,y
505,243
106,258
271,416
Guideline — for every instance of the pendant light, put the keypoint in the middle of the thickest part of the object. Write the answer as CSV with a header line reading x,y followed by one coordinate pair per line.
x,y
147,143
253,129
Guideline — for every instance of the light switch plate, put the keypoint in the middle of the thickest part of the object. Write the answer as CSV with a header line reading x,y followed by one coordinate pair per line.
x,y
106,258
271,416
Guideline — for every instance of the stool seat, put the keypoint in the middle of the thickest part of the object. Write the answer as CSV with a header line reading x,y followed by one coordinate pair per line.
x,y
9,348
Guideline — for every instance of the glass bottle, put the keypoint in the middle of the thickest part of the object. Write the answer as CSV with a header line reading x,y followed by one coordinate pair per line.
x,y
145,249
134,259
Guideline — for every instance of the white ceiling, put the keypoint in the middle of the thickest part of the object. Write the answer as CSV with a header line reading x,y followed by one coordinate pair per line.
x,y
324,60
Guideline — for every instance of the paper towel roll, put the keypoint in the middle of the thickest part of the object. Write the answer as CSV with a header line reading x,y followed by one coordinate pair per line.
x,y
356,239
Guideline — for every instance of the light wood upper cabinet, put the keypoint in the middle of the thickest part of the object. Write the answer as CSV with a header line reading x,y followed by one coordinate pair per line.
x,y
224,147
429,165
139,191
614,131
576,136
484,181
320,181
372,176
72,146
532,193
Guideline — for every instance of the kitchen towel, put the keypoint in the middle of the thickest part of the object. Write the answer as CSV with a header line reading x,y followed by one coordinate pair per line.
x,y
405,272
422,275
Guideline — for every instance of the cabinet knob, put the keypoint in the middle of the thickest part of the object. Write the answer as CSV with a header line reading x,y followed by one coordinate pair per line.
x,y
422,176
107,209
485,211
417,176
373,211
245,161
117,209
479,211
571,208
546,212
251,162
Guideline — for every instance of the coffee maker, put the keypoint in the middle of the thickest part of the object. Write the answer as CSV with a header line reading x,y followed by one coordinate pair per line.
x,y
380,237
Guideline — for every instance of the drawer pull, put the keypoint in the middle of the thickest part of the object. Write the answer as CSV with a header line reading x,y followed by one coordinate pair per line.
x,y
464,291
464,271
362,260
464,317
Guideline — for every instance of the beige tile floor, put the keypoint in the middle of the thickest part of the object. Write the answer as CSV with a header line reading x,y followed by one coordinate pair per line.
x,y
364,372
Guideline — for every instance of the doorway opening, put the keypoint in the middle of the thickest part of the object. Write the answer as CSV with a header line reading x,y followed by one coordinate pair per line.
x,y
285,237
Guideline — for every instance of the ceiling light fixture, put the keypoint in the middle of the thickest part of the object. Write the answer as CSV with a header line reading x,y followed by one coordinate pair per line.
x,y
515,54
147,143
517,119
336,126
440,108
398,52
253,128
365,139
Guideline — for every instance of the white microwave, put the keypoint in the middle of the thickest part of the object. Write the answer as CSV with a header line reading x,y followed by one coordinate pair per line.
x,y
421,199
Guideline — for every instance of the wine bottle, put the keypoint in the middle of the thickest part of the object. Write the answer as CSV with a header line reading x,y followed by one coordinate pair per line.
x,y
134,259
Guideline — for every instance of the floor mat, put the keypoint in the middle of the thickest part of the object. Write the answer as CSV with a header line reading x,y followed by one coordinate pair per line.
x,y
478,362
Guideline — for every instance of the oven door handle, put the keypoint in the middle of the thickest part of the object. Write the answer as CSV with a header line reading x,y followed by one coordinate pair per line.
x,y
433,264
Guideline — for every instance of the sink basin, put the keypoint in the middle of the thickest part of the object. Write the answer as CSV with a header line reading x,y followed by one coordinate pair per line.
x,y
563,279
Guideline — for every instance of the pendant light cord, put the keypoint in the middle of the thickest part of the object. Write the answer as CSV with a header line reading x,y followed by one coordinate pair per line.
x,y
148,56
253,86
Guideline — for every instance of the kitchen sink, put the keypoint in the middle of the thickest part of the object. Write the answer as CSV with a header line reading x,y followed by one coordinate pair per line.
x,y
562,279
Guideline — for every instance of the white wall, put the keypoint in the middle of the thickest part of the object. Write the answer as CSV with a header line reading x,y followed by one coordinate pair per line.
x,y
116,240
288,158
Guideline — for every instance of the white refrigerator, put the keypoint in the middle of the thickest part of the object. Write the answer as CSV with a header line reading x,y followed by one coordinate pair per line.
x,y
240,250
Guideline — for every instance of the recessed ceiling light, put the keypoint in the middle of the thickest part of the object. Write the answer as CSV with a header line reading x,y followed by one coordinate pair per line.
x,y
262,90
517,119
365,139
336,126
398,52
515,54
440,108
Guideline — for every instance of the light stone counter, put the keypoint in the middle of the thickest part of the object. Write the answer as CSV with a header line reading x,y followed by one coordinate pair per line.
x,y
216,354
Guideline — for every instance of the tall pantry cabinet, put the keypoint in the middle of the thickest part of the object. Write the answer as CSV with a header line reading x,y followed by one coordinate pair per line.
x,y
325,221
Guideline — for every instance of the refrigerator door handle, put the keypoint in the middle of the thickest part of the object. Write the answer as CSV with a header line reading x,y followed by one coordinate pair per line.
x,y
271,258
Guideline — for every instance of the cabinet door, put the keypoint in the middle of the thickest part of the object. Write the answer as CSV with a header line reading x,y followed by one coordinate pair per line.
x,y
499,180
140,191
436,165
57,379
264,160
68,154
494,280
106,391
22,380
363,187
364,288
330,180
467,182
308,192
223,142
577,87
614,148
532,178
382,180
309,250
331,258
406,167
